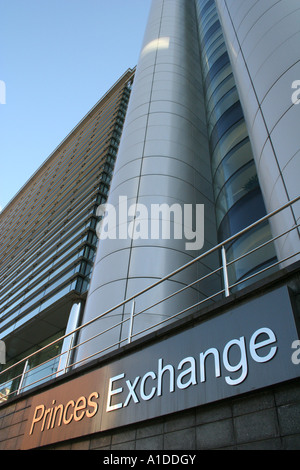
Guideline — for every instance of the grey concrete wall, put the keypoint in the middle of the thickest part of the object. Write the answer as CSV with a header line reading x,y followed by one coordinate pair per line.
x,y
266,420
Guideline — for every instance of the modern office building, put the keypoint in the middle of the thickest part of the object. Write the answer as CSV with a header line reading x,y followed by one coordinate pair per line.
x,y
48,237
154,257
185,141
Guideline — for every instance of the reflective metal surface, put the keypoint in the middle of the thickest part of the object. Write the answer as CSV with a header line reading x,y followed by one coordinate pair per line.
x,y
163,159
264,39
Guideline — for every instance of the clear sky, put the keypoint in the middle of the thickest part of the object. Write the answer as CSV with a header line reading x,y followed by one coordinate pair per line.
x,y
57,58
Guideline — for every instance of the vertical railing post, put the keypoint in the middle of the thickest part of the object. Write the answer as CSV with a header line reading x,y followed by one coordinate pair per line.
x,y
131,322
22,377
225,271
69,354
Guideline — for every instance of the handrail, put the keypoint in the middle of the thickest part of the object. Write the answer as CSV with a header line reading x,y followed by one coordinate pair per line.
x,y
226,291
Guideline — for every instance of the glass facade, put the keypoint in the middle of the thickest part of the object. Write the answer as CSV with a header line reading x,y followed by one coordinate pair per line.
x,y
49,239
238,198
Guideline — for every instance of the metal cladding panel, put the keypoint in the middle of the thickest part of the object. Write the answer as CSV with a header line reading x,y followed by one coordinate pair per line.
x,y
163,158
263,40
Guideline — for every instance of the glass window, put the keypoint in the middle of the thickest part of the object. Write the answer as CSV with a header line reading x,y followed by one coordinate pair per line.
x,y
224,87
237,133
218,66
60,281
207,53
255,261
242,182
212,59
242,214
235,159
230,117
55,297
228,100
217,80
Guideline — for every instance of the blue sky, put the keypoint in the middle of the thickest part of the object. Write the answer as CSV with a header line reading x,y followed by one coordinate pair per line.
x,y
57,58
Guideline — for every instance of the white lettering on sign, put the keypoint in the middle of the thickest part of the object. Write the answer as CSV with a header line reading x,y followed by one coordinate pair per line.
x,y
166,377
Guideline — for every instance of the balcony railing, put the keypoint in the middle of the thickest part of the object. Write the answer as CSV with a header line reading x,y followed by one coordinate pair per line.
x,y
30,372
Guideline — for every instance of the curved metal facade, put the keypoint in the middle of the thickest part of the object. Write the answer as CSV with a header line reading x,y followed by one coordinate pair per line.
x,y
163,158
263,40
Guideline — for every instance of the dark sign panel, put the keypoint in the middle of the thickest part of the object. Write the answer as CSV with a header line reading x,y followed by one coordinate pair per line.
x,y
244,349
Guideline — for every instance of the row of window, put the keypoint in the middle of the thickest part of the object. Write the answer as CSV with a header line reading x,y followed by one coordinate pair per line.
x,y
104,136
61,189
65,174
92,166
62,160
55,267
53,241
238,197
85,204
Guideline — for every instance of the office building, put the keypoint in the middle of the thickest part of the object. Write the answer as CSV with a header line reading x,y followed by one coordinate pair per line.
x,y
186,338
170,153
48,237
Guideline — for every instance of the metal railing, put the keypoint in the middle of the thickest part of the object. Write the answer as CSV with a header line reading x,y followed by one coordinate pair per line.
x,y
19,372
